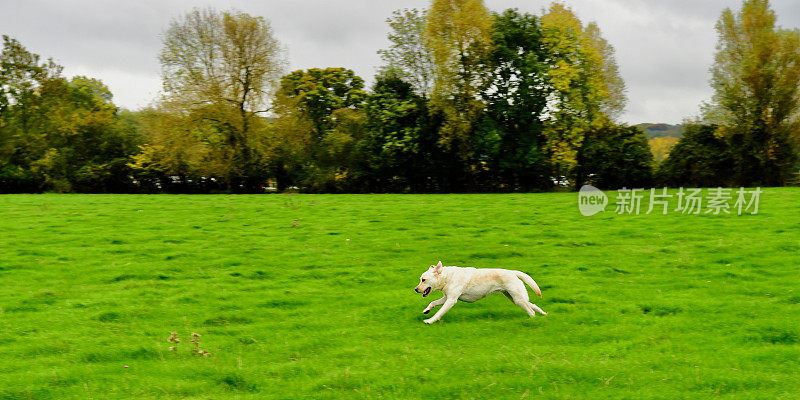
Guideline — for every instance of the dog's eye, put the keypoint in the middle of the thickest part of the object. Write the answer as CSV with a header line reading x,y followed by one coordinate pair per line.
x,y
423,280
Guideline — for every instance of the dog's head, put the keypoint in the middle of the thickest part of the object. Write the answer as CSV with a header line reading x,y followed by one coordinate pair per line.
x,y
430,280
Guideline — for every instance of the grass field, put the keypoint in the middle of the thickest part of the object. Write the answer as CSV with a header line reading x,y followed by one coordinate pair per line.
x,y
312,296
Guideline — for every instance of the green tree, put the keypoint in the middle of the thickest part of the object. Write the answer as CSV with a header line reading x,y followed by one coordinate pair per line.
x,y
407,56
21,75
221,69
296,137
69,137
401,146
317,93
516,98
338,158
21,72
320,121
58,134
701,158
174,147
756,93
615,156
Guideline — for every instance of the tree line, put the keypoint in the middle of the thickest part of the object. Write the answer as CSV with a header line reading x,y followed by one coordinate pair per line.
x,y
466,100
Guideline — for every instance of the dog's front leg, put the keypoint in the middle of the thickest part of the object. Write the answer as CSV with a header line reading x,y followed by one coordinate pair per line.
x,y
448,304
434,303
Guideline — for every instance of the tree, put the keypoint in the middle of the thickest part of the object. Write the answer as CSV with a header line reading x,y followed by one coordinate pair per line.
x,y
407,56
516,98
69,137
294,131
586,90
338,158
320,120
756,93
21,72
458,34
400,147
58,134
172,148
661,146
615,156
221,69
701,158
317,93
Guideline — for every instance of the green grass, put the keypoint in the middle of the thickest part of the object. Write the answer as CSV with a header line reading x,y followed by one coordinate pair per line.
x,y
648,306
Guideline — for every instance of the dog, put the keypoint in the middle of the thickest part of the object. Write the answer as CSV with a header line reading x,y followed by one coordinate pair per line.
x,y
472,284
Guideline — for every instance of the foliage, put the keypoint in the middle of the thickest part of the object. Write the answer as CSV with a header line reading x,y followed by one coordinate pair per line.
x,y
516,100
613,157
756,93
661,146
220,70
701,158
58,134
21,72
320,121
21,76
229,57
392,144
317,93
337,158
402,150
466,101
586,89
458,34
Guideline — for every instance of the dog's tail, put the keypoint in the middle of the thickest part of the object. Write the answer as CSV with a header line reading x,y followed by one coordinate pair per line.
x,y
527,279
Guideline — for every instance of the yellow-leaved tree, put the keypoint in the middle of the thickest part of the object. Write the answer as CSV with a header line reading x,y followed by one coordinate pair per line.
x,y
661,146
586,88
458,34
220,71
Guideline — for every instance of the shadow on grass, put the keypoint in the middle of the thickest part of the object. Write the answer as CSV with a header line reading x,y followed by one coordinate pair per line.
x,y
660,310
237,382
782,336
227,320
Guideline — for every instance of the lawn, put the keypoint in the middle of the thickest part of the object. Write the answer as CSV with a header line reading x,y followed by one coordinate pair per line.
x,y
312,296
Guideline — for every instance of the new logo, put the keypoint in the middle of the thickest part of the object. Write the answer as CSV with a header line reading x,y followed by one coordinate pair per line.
x,y
591,200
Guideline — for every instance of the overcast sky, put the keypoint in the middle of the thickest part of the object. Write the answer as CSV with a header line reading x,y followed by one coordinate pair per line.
x,y
663,48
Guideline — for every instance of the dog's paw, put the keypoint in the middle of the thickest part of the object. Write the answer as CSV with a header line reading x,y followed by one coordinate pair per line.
x,y
425,311
428,321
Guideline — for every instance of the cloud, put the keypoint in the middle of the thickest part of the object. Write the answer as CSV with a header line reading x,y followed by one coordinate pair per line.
x,y
664,48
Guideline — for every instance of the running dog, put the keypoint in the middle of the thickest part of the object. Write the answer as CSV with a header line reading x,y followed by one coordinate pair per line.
x,y
472,284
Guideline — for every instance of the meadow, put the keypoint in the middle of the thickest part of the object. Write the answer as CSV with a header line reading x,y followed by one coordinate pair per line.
x,y
311,296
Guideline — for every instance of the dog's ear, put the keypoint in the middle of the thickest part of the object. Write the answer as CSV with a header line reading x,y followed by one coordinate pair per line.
x,y
438,268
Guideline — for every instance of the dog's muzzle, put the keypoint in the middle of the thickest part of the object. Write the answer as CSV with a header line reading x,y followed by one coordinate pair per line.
x,y
426,292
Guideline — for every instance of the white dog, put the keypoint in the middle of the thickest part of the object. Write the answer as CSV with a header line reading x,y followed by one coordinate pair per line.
x,y
471,284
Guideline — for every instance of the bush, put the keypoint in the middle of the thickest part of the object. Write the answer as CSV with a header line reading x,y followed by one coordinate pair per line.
x,y
615,156
701,158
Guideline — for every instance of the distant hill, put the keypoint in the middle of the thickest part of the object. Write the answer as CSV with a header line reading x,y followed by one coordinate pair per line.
x,y
662,130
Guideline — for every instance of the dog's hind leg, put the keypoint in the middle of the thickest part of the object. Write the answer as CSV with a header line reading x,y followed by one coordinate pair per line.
x,y
537,309
522,301
519,295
